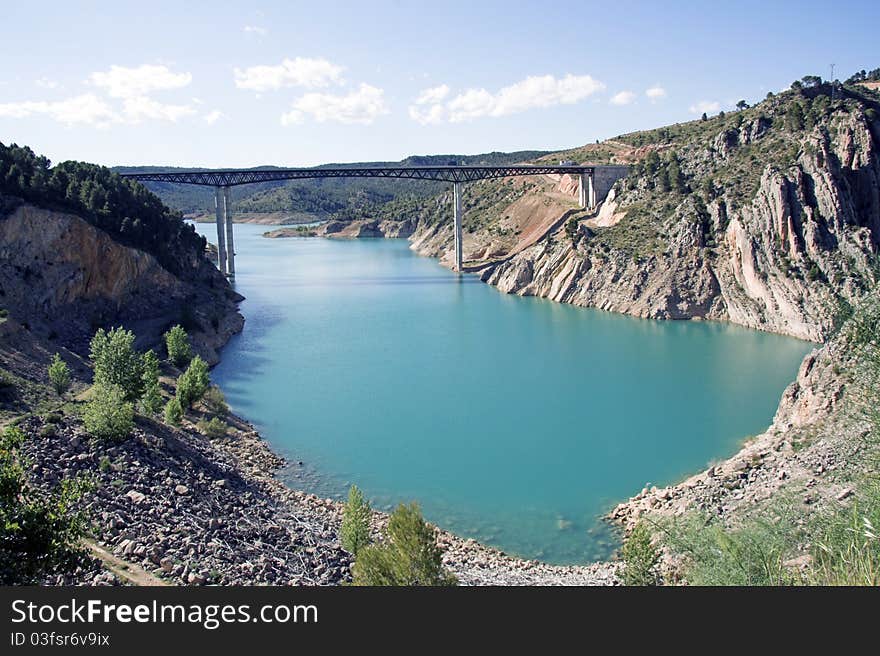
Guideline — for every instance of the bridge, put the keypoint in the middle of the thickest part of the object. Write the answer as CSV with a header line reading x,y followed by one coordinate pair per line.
x,y
222,180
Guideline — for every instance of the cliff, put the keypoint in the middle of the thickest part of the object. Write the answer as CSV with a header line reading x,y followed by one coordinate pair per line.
x,y
62,278
768,218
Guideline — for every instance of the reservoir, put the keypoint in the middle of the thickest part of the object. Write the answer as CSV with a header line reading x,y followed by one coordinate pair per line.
x,y
515,421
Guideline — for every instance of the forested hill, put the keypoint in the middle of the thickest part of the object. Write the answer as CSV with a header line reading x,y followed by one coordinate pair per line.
x,y
123,208
341,197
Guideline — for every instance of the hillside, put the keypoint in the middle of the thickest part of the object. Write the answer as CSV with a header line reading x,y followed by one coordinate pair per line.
x,y
768,217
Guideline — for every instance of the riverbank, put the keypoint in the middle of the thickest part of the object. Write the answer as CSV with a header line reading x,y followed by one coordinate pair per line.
x,y
198,511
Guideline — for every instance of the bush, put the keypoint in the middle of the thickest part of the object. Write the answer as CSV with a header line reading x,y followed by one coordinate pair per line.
x,y
215,402
109,416
59,375
355,530
640,557
116,362
177,345
38,530
408,556
151,400
193,383
214,429
173,412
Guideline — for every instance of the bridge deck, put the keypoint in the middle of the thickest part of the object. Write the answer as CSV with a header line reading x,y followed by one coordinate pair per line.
x,y
230,178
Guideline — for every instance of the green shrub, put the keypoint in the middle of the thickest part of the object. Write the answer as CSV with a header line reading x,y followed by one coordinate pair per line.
x,y
108,415
173,412
215,428
116,362
215,402
151,399
177,345
59,375
39,530
640,557
409,555
193,383
355,530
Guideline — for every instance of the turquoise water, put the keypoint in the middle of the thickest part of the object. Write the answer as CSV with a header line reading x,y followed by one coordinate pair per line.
x,y
516,421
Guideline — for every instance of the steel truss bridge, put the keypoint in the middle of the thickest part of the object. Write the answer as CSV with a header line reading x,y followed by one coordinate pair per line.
x,y
222,180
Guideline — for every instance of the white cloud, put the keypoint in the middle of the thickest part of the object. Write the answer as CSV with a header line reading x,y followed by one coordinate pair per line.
x,y
433,115
85,109
46,83
122,82
212,117
530,93
655,93
623,98
705,106
254,29
361,107
141,107
299,72
433,95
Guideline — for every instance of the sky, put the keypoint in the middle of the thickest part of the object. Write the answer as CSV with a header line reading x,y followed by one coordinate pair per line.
x,y
235,84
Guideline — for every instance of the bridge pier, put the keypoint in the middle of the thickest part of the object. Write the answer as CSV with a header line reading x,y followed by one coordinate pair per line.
x,y
230,245
456,199
586,191
221,232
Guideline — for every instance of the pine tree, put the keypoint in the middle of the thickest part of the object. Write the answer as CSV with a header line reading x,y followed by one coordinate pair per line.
x,y
177,344
59,375
355,530
193,383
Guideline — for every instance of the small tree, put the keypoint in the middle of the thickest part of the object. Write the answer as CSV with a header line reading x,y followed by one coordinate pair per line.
x,y
640,557
355,531
704,118
108,416
59,375
39,529
408,556
177,344
173,412
741,105
116,362
151,400
193,383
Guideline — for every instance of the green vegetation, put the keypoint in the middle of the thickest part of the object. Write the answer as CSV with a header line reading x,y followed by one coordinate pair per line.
x,y
39,530
355,530
640,557
116,362
121,207
177,345
151,399
108,416
59,375
173,412
193,383
215,402
214,428
408,556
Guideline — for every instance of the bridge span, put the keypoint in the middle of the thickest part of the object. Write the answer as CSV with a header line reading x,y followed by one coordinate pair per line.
x,y
593,181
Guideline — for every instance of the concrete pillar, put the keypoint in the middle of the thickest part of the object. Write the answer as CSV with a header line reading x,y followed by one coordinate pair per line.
x,y
221,233
582,190
591,193
456,196
230,246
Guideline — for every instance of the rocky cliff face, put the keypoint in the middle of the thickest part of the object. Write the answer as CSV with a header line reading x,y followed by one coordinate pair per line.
x,y
770,226
63,278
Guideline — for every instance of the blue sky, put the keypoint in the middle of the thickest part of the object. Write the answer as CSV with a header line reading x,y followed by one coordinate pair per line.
x,y
303,83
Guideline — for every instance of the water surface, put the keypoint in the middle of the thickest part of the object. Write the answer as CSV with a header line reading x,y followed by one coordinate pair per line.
x,y
516,421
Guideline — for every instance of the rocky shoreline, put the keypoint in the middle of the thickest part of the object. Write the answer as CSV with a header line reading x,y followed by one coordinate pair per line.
x,y
197,511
